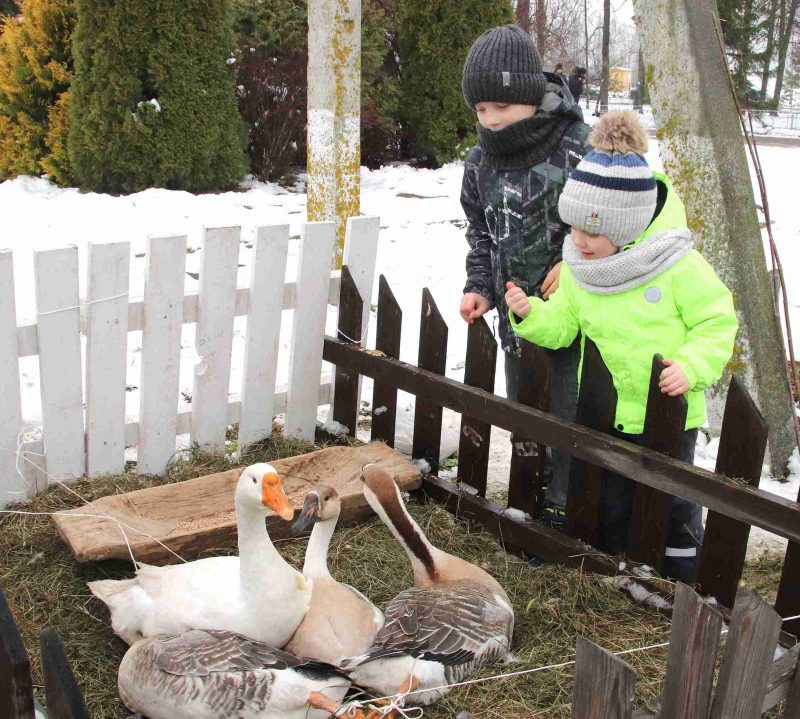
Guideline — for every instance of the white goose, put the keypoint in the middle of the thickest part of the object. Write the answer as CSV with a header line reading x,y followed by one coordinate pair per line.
x,y
256,594
456,619
217,675
341,622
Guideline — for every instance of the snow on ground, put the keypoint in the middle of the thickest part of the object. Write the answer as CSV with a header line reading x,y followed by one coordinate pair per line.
x,y
421,245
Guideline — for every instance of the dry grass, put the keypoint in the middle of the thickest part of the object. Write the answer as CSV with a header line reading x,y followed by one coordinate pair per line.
x,y
46,587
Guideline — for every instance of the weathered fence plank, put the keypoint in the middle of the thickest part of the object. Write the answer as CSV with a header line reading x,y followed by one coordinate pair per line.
x,y
12,487
387,340
262,342
742,444
792,708
664,425
161,351
16,687
597,405
106,356
360,255
787,603
346,382
308,327
780,679
63,695
747,662
216,300
604,684
427,439
58,320
692,652
526,471
475,436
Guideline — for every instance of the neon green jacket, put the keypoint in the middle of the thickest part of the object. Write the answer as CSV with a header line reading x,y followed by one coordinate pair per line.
x,y
693,323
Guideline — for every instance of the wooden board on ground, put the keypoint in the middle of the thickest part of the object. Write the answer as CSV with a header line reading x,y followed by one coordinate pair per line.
x,y
198,515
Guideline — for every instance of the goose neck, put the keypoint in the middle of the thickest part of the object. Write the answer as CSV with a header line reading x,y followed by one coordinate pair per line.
x,y
316,562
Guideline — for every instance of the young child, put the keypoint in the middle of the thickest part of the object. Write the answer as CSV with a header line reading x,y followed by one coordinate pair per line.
x,y
633,284
531,134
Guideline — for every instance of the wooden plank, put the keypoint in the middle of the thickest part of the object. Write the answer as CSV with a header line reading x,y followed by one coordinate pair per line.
x,y
757,507
12,487
693,646
528,537
791,709
604,684
664,425
161,347
64,696
781,677
16,686
526,472
387,340
427,438
262,342
58,320
475,438
346,382
360,255
597,405
308,328
747,662
742,444
214,336
787,603
106,356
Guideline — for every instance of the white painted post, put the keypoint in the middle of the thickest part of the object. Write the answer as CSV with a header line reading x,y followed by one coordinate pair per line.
x,y
161,351
263,333
106,356
216,305
12,487
58,321
308,328
360,255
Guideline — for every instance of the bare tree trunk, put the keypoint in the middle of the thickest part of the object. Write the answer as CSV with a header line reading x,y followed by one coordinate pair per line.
x,y
770,49
787,25
524,14
701,145
541,27
605,67
586,45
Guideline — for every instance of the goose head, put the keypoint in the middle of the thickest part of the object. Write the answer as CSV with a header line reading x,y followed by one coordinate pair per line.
x,y
322,504
259,488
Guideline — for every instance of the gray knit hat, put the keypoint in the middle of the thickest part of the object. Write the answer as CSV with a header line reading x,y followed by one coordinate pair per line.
x,y
612,191
503,65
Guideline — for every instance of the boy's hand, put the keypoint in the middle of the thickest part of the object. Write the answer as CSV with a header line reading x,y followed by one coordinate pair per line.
x,y
672,380
550,283
517,300
473,306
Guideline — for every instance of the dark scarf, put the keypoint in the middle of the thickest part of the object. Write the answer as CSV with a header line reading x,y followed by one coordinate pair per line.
x,y
525,143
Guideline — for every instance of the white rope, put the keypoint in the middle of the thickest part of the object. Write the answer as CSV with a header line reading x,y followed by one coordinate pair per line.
x,y
81,305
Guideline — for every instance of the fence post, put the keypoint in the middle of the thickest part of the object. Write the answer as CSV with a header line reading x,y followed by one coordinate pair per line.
x,y
597,404
664,425
345,387
433,357
16,687
474,440
604,684
791,710
387,340
63,695
526,473
742,445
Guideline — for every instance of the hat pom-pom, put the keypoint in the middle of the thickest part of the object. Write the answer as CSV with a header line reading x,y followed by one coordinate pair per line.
x,y
620,132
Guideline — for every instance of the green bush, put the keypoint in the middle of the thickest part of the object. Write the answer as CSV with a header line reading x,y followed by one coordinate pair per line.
x,y
153,102
35,74
434,39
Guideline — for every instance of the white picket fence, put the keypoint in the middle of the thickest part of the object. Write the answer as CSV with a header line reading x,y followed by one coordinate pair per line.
x,y
84,429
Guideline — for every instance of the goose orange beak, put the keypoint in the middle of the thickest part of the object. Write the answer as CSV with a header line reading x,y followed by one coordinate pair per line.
x,y
272,496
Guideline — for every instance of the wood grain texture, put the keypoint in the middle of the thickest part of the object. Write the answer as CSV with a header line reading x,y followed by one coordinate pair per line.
x,y
347,382
64,696
792,708
387,340
781,678
16,687
604,684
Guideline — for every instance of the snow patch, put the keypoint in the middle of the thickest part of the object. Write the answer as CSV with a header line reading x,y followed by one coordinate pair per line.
x,y
335,428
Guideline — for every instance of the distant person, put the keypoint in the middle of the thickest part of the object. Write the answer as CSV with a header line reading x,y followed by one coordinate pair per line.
x,y
531,135
576,82
559,70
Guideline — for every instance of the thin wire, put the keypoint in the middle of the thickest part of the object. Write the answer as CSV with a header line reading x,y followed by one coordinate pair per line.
x,y
81,305
350,339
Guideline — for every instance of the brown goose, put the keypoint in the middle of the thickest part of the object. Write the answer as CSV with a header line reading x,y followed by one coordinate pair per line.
x,y
455,619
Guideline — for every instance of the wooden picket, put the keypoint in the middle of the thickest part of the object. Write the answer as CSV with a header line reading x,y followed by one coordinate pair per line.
x,y
604,684
387,340
346,385
16,686
62,693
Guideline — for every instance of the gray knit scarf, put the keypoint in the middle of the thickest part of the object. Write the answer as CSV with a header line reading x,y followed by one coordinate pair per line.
x,y
628,268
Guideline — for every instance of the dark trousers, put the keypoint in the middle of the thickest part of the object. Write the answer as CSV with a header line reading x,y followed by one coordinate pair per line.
x,y
685,533
563,401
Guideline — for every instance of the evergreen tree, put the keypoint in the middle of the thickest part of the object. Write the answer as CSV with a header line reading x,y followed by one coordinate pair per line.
x,y
153,102
8,7
35,74
434,39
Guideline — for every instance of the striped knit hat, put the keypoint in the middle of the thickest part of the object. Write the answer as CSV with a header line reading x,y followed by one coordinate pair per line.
x,y
612,191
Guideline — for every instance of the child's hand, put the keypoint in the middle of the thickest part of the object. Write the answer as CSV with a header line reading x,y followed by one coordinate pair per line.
x,y
517,300
473,306
550,283
672,380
